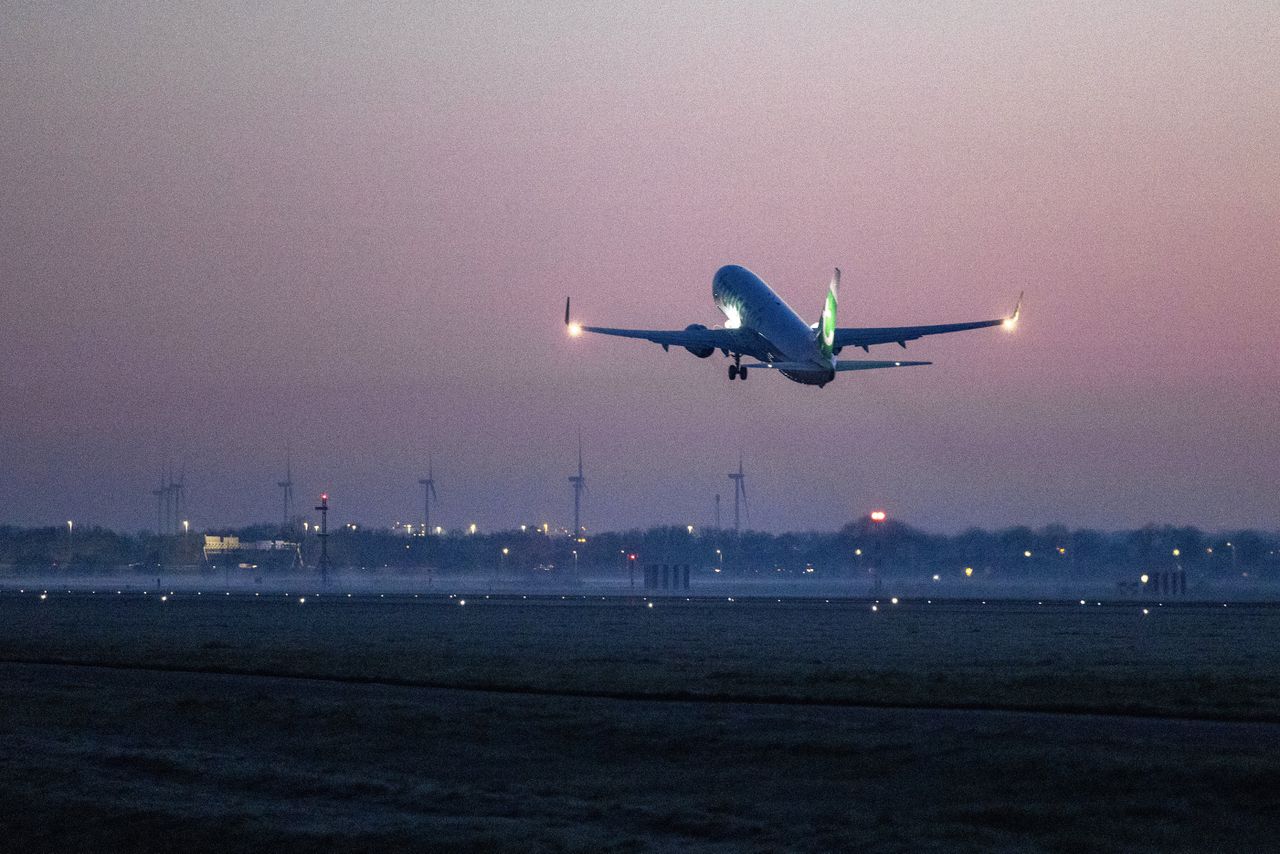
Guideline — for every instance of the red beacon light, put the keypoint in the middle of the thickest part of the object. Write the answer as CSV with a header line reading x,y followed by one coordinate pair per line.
x,y
878,515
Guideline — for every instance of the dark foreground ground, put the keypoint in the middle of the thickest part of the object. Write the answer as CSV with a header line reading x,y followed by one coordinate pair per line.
x,y
236,723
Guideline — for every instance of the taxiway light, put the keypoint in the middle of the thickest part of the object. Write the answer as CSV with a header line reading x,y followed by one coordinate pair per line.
x,y
875,607
650,604
1177,552
968,572
462,601
1145,612
1144,578
894,600
937,577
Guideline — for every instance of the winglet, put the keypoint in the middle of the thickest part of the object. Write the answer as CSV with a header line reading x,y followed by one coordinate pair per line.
x,y
575,329
1012,320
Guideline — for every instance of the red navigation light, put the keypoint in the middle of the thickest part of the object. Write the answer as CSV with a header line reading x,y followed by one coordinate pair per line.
x,y
878,516
324,496
631,557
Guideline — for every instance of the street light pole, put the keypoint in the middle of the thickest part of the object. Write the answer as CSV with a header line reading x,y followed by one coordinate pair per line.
x,y
324,538
70,525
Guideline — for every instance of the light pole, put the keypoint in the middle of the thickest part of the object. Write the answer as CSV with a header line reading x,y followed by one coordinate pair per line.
x,y
575,564
324,538
719,561
70,525
502,562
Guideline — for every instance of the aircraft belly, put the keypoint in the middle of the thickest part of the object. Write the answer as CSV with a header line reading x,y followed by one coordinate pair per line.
x,y
814,377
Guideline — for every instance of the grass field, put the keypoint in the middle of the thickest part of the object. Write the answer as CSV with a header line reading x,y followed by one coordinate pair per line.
x,y
546,724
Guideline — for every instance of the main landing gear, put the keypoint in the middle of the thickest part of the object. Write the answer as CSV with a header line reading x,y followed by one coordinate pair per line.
x,y
736,370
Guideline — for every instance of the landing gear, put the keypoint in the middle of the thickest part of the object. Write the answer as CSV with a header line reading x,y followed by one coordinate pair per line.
x,y
742,373
733,372
736,370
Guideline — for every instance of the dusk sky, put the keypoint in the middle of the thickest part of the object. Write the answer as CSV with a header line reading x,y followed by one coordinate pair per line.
x,y
352,229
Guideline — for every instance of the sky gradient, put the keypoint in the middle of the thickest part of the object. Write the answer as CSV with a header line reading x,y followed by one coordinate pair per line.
x,y
226,229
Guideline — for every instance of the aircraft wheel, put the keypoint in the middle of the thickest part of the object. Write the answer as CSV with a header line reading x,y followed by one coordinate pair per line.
x,y
733,372
742,373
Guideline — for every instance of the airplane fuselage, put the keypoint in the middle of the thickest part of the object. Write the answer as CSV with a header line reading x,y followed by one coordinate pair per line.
x,y
779,334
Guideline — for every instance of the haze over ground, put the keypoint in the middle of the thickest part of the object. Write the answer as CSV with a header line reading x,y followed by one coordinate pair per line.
x,y
354,229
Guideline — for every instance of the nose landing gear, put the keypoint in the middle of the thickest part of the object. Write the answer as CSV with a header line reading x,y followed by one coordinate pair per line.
x,y
736,370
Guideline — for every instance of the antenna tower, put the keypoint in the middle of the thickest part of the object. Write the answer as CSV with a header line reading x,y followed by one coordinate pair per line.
x,y
579,482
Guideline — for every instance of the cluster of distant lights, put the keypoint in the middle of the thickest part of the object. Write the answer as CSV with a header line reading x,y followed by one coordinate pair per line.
x,y
876,516
461,600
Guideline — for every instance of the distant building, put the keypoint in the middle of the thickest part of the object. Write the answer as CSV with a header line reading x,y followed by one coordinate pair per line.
x,y
229,551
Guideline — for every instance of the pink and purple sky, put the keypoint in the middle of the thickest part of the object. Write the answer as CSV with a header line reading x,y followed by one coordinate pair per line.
x,y
352,229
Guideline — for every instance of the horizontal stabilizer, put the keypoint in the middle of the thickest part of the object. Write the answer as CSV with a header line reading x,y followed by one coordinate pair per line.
x,y
785,366
873,364
846,365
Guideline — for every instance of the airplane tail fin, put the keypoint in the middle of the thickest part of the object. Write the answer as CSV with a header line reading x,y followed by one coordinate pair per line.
x,y
827,326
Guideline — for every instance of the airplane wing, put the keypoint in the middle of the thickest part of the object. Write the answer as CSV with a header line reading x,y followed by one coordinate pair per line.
x,y
695,335
864,337
713,338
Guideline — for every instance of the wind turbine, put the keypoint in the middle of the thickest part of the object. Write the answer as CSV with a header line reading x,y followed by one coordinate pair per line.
x,y
179,488
160,492
428,485
579,482
739,494
287,486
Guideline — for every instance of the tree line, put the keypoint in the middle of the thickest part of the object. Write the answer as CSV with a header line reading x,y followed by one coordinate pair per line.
x,y
885,548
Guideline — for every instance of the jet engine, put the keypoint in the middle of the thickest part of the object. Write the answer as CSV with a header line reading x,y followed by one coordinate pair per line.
x,y
700,352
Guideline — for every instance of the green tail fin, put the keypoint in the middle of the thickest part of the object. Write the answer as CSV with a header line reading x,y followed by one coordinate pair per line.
x,y
827,326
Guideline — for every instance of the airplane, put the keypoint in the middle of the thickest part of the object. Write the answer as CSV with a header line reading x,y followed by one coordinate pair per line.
x,y
760,325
